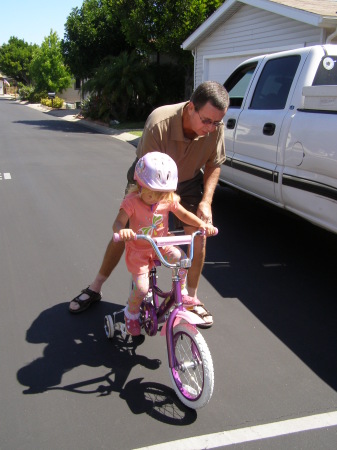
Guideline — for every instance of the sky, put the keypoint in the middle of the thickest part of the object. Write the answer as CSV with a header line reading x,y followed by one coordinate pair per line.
x,y
32,20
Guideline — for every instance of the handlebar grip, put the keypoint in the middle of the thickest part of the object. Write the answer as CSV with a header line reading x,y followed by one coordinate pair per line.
x,y
116,237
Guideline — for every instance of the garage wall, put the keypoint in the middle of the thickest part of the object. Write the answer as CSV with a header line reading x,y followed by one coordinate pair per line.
x,y
249,32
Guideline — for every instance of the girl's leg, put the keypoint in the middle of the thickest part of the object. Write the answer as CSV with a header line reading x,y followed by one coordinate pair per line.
x,y
140,287
173,254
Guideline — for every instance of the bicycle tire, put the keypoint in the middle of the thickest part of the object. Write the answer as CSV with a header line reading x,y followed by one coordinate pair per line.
x,y
193,379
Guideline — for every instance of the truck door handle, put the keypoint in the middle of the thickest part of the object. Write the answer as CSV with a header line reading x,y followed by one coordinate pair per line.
x,y
231,124
269,129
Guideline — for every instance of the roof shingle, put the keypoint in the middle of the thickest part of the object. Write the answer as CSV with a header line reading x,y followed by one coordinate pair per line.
x,y
326,8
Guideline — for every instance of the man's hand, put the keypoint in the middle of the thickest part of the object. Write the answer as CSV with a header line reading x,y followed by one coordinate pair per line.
x,y
204,212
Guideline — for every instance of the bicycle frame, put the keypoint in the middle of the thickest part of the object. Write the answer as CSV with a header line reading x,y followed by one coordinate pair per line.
x,y
172,297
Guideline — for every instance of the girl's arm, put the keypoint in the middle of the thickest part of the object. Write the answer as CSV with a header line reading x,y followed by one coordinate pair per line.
x,y
125,234
191,219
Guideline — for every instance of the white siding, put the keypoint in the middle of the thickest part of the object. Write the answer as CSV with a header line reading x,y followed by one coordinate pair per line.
x,y
251,31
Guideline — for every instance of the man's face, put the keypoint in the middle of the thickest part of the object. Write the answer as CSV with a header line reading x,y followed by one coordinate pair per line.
x,y
206,120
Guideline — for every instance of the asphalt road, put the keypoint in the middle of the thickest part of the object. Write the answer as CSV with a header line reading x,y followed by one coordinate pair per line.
x,y
269,279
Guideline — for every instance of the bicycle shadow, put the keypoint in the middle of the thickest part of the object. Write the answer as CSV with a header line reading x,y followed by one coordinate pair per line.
x,y
73,341
282,269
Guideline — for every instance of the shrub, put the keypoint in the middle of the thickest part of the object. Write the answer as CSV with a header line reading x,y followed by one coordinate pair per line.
x,y
29,93
35,96
25,92
56,103
91,107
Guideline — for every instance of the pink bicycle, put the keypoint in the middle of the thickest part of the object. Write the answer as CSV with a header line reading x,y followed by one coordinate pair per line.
x,y
189,359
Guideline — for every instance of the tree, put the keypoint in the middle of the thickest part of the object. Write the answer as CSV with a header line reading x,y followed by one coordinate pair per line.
x,y
102,28
92,33
48,70
161,26
119,82
15,59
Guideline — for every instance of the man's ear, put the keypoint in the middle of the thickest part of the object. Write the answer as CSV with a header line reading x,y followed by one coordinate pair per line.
x,y
190,106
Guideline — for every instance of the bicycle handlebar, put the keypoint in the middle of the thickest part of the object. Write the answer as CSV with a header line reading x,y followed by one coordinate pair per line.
x,y
167,240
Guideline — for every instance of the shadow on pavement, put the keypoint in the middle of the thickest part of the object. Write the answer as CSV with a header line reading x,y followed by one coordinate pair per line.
x,y
73,341
58,125
283,269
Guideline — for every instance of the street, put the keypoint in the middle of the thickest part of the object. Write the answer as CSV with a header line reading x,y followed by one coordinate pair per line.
x,y
269,280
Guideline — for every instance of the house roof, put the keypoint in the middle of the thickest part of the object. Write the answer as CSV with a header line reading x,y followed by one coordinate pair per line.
x,y
319,13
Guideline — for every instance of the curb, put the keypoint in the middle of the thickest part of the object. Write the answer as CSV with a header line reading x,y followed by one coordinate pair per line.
x,y
73,116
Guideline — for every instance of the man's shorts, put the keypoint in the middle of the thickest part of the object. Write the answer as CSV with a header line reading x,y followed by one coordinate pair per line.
x,y
190,192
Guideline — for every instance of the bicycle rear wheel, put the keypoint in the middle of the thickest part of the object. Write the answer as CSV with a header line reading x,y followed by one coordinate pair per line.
x,y
193,377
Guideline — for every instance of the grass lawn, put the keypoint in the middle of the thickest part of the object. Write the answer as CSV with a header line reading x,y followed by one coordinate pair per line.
x,y
135,128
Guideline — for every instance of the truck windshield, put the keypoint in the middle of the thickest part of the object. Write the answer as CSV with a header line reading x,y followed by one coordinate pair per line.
x,y
327,71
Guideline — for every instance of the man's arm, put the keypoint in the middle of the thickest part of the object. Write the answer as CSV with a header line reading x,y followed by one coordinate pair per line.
x,y
211,178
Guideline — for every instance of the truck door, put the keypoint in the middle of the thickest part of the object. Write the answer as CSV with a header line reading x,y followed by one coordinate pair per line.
x,y
237,85
258,127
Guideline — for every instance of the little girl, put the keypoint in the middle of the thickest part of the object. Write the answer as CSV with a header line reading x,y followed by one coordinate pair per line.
x,y
146,208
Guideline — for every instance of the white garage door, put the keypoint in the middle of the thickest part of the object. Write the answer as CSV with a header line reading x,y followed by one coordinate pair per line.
x,y
218,69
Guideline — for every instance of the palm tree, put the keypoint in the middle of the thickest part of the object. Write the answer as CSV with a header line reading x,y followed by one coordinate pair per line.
x,y
119,81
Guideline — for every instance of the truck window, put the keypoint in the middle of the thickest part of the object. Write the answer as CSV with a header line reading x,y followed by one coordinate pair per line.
x,y
238,82
274,84
327,71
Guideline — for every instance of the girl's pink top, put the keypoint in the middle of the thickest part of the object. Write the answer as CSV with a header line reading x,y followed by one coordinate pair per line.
x,y
148,220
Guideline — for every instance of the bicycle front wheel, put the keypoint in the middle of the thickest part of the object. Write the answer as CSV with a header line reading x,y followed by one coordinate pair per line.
x,y
193,376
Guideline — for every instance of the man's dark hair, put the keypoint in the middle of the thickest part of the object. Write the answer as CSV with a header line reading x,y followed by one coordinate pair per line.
x,y
212,92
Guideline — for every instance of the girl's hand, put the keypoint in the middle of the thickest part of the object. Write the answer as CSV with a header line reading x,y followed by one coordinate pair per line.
x,y
126,234
208,229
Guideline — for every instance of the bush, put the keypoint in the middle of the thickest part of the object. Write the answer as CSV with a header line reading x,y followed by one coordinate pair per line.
x,y
25,92
91,107
36,96
56,103
29,93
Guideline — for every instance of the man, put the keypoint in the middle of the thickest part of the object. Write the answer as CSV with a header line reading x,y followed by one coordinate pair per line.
x,y
192,133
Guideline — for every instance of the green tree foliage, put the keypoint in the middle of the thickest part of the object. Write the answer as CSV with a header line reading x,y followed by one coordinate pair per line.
x,y
102,28
15,59
49,73
152,29
92,33
162,25
120,82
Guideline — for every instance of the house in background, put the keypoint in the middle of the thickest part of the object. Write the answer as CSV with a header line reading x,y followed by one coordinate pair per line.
x,y
241,29
72,96
5,86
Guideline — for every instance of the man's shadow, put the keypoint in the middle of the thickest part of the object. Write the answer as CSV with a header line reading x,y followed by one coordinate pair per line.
x,y
74,341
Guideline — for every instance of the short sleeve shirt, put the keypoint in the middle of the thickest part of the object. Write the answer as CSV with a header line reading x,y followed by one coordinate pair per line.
x,y
144,219
163,132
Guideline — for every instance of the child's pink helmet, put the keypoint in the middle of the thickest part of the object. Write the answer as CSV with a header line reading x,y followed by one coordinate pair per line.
x,y
157,171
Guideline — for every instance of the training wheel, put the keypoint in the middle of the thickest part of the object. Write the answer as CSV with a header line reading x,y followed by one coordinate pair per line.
x,y
109,327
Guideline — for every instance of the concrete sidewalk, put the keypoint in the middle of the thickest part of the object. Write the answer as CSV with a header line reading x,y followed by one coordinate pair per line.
x,y
73,115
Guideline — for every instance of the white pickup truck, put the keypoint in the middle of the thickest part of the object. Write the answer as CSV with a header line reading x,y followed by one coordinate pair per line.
x,y
281,131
